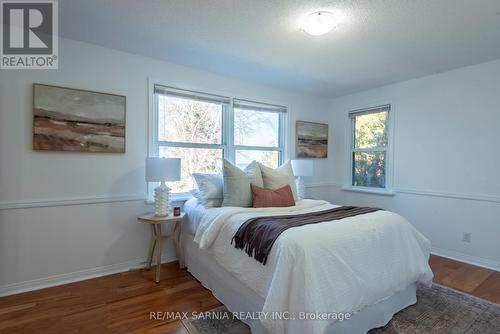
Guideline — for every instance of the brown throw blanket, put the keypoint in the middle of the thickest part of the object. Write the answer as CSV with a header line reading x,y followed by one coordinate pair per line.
x,y
257,235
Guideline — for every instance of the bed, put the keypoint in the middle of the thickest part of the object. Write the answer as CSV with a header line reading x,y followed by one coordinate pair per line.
x,y
365,266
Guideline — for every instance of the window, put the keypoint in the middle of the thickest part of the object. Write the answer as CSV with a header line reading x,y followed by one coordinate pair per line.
x,y
202,129
370,148
258,133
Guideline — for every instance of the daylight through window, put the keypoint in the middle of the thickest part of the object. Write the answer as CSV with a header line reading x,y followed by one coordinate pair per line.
x,y
369,147
202,129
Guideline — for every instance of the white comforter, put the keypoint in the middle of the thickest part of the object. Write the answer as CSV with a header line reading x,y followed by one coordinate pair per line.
x,y
339,266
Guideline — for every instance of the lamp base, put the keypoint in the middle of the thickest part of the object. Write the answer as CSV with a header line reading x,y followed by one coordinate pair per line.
x,y
301,189
162,200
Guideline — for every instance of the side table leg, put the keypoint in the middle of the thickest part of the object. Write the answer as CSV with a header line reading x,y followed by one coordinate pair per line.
x,y
152,245
158,252
177,241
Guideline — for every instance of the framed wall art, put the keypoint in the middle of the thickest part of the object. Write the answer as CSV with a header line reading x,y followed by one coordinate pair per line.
x,y
312,140
68,119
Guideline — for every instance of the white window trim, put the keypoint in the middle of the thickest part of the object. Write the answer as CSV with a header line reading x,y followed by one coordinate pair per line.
x,y
232,147
389,150
227,145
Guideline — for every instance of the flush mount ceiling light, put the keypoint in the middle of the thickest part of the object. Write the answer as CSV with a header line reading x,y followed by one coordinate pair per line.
x,y
319,23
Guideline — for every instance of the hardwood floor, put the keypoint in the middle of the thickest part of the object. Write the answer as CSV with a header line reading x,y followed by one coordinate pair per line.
x,y
122,303
480,282
119,303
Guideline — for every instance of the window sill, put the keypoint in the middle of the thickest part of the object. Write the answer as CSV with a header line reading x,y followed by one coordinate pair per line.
x,y
175,198
383,192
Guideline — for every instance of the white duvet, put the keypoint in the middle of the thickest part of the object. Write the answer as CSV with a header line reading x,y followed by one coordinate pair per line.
x,y
338,266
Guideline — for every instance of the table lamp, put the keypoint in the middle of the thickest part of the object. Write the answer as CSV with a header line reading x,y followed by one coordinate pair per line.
x,y
302,168
161,170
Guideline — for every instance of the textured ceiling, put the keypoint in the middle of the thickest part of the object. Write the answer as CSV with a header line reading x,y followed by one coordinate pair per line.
x,y
379,41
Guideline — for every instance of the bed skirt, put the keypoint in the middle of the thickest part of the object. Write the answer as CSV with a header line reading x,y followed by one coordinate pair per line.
x,y
237,297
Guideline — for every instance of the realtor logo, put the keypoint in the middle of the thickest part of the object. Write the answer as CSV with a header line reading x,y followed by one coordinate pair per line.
x,y
29,34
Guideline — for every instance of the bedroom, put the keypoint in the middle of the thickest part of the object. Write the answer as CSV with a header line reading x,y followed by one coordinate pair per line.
x,y
423,75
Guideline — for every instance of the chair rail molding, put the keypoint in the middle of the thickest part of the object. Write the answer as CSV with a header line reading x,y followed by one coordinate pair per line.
x,y
411,191
99,199
321,185
472,197
53,202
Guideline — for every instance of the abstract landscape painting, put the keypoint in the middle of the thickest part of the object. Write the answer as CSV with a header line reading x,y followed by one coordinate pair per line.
x,y
66,119
312,140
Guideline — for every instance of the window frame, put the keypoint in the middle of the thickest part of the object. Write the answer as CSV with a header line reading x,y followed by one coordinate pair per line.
x,y
227,128
351,150
281,134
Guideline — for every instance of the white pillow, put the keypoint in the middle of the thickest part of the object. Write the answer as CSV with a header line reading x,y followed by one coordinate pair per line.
x,y
209,192
279,177
237,191
207,203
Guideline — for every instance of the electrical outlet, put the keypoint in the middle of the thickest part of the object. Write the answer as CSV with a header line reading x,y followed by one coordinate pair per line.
x,y
466,236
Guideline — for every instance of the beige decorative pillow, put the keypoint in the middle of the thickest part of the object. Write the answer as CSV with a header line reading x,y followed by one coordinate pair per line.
x,y
237,191
277,178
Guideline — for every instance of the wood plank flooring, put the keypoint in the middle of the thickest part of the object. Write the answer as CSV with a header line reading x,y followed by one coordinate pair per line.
x,y
480,282
122,303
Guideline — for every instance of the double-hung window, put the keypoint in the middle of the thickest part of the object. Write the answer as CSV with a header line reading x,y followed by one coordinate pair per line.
x,y
258,133
369,148
189,125
203,129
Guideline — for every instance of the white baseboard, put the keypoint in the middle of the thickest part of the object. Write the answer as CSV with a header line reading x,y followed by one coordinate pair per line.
x,y
474,260
41,283
47,282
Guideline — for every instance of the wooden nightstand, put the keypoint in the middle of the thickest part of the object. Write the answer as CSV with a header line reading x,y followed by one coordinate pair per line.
x,y
156,237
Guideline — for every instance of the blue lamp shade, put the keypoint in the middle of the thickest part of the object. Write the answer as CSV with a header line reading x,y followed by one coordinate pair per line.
x,y
163,169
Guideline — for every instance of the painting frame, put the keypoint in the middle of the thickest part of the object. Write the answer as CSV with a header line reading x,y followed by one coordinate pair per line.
x,y
118,133
307,146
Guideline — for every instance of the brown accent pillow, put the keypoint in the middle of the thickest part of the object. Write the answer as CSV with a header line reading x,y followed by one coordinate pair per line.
x,y
264,198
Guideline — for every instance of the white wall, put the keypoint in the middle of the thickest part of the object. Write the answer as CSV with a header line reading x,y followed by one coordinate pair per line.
x,y
43,239
64,216
446,158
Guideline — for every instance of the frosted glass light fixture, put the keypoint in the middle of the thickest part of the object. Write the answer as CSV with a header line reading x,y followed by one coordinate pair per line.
x,y
319,23
161,170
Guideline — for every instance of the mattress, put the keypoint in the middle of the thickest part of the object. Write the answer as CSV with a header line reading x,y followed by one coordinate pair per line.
x,y
237,297
370,257
194,213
